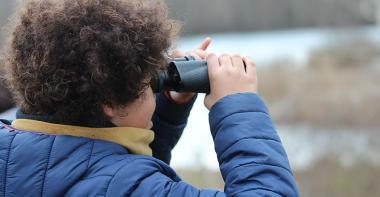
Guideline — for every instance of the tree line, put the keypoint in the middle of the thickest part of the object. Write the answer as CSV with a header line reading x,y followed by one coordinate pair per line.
x,y
200,16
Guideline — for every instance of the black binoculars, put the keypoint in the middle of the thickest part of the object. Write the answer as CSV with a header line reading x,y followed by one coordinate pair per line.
x,y
183,75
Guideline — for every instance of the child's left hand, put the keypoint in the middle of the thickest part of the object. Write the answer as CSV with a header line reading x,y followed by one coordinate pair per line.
x,y
199,54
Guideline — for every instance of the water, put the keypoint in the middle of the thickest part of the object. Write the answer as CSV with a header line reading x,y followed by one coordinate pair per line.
x,y
265,47
305,145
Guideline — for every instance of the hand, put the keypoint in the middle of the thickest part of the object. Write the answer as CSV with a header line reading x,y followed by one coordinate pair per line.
x,y
199,54
228,75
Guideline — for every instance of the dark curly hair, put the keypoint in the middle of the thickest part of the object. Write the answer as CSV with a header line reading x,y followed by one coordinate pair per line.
x,y
68,57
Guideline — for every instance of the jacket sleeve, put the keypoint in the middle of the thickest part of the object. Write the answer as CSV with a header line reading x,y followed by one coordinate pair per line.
x,y
251,157
169,121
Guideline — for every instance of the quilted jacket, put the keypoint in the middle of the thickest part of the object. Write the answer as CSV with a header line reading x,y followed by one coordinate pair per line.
x,y
252,159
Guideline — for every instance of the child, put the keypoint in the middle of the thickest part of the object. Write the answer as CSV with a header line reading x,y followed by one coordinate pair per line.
x,y
80,71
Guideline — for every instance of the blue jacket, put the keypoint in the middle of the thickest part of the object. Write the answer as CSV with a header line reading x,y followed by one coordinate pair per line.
x,y
251,157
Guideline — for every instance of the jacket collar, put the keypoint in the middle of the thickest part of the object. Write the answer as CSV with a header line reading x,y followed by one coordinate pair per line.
x,y
136,140
85,120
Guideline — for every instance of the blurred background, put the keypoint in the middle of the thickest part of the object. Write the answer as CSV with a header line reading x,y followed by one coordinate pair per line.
x,y
319,71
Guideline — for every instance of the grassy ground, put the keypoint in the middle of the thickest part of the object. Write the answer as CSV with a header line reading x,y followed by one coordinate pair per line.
x,y
339,87
327,177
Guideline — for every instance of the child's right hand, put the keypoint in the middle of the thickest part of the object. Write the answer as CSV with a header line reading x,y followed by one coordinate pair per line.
x,y
228,76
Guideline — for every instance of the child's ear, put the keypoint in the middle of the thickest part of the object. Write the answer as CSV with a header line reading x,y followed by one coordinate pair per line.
x,y
108,110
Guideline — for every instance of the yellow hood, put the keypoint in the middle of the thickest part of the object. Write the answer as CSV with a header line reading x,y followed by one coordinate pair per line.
x,y
136,140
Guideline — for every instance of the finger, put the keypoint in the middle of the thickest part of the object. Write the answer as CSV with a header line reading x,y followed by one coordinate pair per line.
x,y
201,53
195,55
225,60
177,53
205,43
250,66
237,61
212,64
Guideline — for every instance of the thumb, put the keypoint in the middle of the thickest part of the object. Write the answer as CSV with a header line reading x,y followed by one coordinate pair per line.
x,y
177,53
209,101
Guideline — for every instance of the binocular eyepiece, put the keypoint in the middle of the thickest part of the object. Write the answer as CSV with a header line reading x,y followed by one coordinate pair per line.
x,y
183,75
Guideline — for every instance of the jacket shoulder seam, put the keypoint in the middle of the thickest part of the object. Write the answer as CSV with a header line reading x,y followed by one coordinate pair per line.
x,y
47,166
116,172
123,166
6,164
89,156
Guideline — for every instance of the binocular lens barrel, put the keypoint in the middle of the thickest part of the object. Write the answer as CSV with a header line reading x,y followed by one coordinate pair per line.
x,y
183,75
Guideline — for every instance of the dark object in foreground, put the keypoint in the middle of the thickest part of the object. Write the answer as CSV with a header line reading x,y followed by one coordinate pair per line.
x,y
183,75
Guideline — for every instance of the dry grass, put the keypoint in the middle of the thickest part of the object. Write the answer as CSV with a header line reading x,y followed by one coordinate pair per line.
x,y
337,89
202,178
327,177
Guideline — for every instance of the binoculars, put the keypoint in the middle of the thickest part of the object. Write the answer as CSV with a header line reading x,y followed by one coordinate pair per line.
x,y
183,75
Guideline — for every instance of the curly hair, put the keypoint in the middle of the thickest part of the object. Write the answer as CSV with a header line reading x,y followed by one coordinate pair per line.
x,y
68,57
